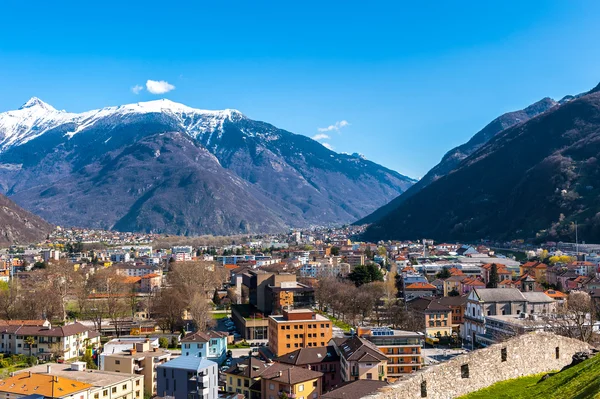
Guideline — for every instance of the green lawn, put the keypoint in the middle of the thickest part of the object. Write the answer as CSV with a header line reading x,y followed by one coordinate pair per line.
x,y
239,345
581,382
218,316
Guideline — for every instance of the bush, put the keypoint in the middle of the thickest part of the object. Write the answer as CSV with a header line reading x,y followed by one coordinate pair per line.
x,y
163,342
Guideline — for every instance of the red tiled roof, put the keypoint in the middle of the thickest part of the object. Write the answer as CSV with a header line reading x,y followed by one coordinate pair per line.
x,y
420,286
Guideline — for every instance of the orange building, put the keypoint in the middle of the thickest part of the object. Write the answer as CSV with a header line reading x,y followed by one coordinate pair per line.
x,y
299,328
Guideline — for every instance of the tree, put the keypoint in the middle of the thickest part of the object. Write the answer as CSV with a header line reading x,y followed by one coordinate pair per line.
x,y
454,292
200,312
216,298
493,280
163,342
444,273
30,341
335,251
365,274
575,318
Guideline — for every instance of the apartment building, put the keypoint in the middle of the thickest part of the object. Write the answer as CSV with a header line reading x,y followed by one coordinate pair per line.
x,y
436,317
47,386
324,359
295,382
142,359
101,384
402,348
243,377
360,359
299,328
211,345
188,377
66,341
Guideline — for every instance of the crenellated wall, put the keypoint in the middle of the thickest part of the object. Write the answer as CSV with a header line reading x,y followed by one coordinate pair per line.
x,y
520,356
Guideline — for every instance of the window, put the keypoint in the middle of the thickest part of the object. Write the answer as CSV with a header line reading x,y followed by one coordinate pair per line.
x,y
271,386
114,390
315,383
464,371
124,387
315,395
369,376
174,385
96,395
424,389
105,392
288,336
283,327
300,387
239,382
557,352
287,345
137,394
503,354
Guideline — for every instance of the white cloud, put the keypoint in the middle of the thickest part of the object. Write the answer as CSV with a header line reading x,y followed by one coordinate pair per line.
x,y
337,126
137,89
328,146
321,136
159,86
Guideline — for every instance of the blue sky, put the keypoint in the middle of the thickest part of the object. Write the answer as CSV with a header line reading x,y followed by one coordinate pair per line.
x,y
412,79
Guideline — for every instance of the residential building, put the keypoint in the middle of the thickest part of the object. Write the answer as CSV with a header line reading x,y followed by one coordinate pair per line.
x,y
419,289
295,382
244,377
137,270
437,318
324,359
118,345
101,384
300,328
47,386
471,283
453,283
535,268
355,259
142,359
188,377
211,345
66,341
402,348
458,305
150,282
360,359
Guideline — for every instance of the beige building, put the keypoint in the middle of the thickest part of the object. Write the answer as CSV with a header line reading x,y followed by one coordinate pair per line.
x,y
142,360
360,359
100,384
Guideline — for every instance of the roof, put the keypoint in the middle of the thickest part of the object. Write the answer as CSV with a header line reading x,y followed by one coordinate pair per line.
x,y
96,378
420,286
249,368
537,297
427,304
555,294
473,281
62,331
312,355
499,294
32,383
199,336
287,374
188,363
38,323
459,300
355,389
359,349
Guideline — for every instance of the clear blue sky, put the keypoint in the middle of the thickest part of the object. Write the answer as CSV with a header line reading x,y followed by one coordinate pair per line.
x,y
412,79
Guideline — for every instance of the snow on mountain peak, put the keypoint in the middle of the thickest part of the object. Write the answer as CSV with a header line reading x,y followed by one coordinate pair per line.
x,y
36,102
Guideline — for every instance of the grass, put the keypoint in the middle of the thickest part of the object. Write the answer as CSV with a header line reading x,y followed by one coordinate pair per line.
x,y
218,316
581,381
5,372
239,345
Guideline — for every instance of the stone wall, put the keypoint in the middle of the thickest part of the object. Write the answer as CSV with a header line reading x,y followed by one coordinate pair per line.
x,y
520,356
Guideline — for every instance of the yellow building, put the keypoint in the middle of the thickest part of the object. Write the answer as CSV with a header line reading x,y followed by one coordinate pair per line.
x,y
49,386
300,328
242,377
295,382
437,318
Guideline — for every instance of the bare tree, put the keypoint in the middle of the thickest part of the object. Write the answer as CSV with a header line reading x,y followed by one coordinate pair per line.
x,y
575,318
200,311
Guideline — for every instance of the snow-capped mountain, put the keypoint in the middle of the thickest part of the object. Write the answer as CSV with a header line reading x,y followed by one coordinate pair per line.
x,y
244,175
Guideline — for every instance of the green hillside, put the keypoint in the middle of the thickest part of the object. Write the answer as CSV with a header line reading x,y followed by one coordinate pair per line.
x,y
581,382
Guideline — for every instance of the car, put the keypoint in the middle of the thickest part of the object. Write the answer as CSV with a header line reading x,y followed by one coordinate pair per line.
x,y
228,362
224,368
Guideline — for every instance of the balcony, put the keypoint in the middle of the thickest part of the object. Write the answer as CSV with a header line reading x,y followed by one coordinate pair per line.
x,y
289,395
137,368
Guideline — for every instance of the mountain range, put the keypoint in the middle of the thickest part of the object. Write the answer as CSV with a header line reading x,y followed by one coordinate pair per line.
x,y
164,167
533,178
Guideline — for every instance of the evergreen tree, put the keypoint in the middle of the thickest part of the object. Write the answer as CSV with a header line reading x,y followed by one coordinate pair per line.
x,y
444,273
493,280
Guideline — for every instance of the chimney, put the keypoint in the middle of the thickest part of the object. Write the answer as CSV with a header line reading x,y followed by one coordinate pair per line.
x,y
48,369
29,374
279,374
